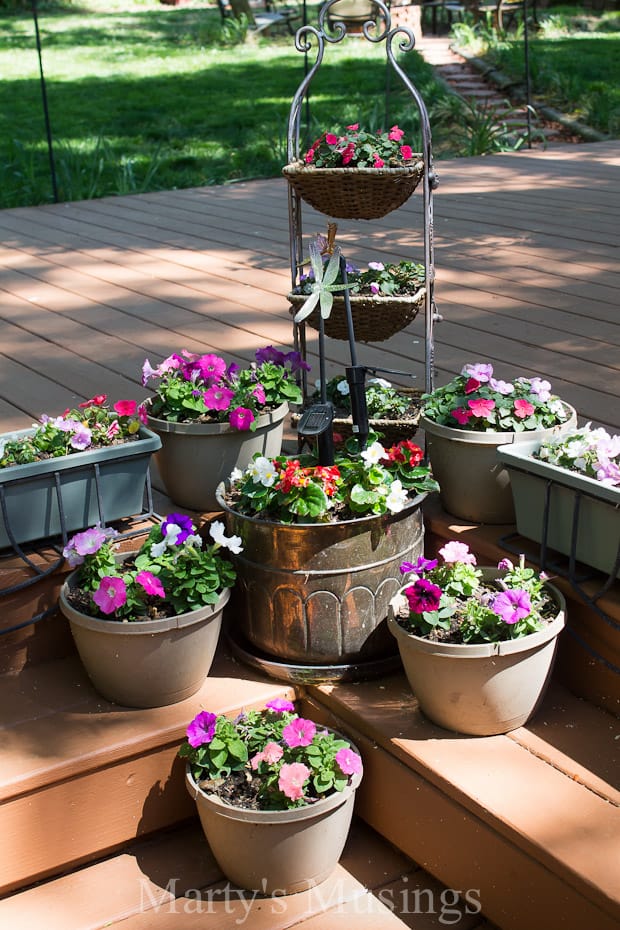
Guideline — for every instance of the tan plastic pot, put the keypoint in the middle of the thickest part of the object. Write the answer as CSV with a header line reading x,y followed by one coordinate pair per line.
x,y
276,852
485,689
473,484
146,664
195,457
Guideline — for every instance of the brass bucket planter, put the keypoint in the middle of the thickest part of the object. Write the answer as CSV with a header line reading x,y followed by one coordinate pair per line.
x,y
318,594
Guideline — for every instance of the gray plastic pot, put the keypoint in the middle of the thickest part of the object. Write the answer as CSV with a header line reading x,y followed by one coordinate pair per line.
x,y
485,689
473,484
276,852
148,663
196,457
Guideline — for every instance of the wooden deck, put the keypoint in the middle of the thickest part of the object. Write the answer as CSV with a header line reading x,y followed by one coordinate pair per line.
x,y
526,252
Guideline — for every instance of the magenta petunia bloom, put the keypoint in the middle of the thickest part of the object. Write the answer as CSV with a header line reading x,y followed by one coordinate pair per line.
x,y
202,729
512,606
299,732
125,408
378,162
280,706
406,151
217,397
211,367
259,394
331,139
151,584
241,418
292,778
111,594
142,414
423,596
350,762
523,408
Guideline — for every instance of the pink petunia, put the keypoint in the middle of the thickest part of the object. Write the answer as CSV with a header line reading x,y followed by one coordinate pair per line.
x,y
354,126
512,606
406,152
454,551
378,162
142,414
272,753
151,584
113,430
211,367
125,408
241,418
481,407
395,134
349,761
523,408
331,139
292,778
111,594
259,394
309,158
280,706
299,732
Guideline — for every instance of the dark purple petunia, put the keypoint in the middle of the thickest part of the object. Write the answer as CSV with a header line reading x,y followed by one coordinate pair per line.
x,y
202,729
423,596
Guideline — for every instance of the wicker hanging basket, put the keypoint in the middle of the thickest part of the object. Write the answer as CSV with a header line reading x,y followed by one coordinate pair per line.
x,y
354,193
391,430
375,319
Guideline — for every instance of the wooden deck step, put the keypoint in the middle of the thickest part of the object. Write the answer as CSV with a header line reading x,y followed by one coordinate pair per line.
x,y
81,776
529,820
172,881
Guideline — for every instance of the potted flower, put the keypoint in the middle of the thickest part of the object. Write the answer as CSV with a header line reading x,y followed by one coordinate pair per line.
x,y
467,419
213,417
88,463
146,623
384,298
356,174
477,644
393,412
274,794
322,546
566,493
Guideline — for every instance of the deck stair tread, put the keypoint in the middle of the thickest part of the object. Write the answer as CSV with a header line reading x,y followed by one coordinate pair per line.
x,y
550,787
172,881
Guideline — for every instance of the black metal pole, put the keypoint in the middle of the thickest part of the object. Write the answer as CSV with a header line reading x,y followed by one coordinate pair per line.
x,y
48,128
528,82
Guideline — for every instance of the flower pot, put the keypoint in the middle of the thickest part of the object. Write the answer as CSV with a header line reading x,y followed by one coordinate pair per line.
x,y
354,193
474,485
276,852
195,457
598,518
484,689
148,663
96,485
374,318
318,593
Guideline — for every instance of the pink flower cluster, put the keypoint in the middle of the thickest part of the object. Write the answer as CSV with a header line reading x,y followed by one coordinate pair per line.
x,y
358,148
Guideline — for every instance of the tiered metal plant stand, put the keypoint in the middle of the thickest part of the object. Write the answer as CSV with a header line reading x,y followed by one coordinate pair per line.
x,y
311,38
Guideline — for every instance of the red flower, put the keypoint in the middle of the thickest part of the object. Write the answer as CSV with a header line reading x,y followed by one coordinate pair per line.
x,y
472,385
406,152
97,401
461,415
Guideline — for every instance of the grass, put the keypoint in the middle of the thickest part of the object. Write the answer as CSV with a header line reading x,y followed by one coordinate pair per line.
x,y
145,97
574,62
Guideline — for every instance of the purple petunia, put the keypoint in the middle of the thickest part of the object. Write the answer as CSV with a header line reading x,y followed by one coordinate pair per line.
x,y
184,524
512,606
202,729
280,706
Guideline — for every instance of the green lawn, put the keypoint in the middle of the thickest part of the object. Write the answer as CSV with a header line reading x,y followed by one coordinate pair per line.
x,y
151,97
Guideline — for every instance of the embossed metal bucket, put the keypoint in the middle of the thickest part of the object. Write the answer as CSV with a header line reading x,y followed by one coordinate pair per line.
x,y
319,593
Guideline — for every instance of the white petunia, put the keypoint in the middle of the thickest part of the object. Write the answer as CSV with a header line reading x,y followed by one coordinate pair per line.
x,y
343,388
217,533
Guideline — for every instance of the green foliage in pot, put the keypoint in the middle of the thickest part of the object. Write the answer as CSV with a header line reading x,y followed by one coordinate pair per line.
x,y
204,389
358,148
91,425
382,400
299,490
268,759
173,572
476,400
447,600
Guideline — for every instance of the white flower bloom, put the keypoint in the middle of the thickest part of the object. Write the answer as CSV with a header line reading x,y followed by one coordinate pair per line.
x,y
172,532
557,407
398,603
158,549
193,541
380,382
262,471
343,388
373,454
397,498
217,533
235,475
